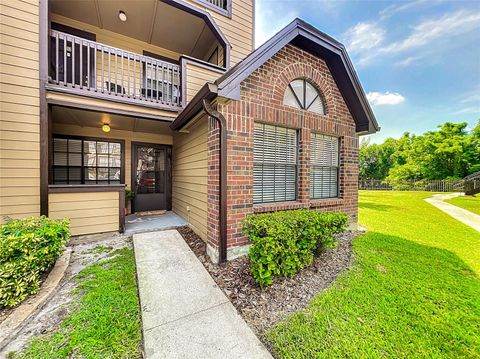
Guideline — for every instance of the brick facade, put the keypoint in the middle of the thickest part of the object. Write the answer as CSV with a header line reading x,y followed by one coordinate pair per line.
x,y
262,100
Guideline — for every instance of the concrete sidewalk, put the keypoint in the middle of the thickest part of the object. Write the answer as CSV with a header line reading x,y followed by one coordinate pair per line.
x,y
184,313
460,214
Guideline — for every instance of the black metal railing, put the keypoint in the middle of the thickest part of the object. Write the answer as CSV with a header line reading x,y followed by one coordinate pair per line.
x,y
89,66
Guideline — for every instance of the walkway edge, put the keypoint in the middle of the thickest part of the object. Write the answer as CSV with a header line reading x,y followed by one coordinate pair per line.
x,y
18,317
462,215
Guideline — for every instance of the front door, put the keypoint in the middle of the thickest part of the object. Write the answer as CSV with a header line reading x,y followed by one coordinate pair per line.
x,y
151,177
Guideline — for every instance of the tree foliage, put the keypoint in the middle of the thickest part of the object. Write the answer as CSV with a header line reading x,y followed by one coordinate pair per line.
x,y
449,152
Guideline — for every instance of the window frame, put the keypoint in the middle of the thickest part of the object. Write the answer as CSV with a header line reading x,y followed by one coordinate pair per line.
x,y
296,166
225,12
83,167
313,166
303,106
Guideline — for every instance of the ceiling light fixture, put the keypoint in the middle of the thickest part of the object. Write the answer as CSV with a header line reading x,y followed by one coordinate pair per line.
x,y
106,128
122,16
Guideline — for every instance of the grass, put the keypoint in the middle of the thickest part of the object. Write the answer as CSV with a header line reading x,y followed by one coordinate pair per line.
x,y
413,291
104,321
470,203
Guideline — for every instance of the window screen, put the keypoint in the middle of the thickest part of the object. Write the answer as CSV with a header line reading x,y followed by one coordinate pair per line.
x,y
324,166
275,164
81,161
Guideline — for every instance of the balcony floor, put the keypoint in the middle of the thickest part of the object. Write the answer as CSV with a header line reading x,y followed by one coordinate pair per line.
x,y
135,224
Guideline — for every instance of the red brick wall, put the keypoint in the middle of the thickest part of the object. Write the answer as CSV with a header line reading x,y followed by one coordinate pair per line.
x,y
262,100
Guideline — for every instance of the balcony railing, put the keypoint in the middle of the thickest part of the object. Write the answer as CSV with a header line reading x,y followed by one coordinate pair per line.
x,y
222,4
91,67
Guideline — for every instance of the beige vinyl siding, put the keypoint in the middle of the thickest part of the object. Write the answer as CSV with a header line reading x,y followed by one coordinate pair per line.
x,y
127,136
189,176
238,29
197,76
86,102
19,109
89,212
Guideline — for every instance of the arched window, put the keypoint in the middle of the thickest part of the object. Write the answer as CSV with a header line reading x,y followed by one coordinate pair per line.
x,y
303,95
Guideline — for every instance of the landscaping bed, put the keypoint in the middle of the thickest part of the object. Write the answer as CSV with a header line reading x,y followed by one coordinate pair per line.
x,y
263,308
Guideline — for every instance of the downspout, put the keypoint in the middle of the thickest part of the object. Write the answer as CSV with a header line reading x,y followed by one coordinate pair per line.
x,y
207,106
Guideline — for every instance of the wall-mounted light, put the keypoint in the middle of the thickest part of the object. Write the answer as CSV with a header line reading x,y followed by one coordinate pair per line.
x,y
106,128
122,16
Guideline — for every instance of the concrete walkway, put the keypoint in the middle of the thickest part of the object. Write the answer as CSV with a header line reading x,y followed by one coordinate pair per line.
x,y
460,214
184,313
169,220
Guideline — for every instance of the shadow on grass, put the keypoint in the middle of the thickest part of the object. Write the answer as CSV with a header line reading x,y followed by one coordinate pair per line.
x,y
374,206
399,299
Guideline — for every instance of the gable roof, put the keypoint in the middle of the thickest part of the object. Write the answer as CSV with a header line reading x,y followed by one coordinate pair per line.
x,y
305,36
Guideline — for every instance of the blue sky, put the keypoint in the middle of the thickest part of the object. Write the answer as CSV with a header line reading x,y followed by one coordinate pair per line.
x,y
418,61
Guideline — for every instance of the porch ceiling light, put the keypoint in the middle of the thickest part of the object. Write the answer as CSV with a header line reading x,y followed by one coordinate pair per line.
x,y
122,16
106,128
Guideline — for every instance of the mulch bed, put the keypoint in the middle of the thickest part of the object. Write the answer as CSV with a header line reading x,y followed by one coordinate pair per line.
x,y
263,308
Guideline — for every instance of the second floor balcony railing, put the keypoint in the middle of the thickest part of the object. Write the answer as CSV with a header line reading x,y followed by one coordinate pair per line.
x,y
89,66
222,4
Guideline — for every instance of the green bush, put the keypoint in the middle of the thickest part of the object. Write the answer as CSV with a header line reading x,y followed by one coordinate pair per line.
x,y
284,242
28,248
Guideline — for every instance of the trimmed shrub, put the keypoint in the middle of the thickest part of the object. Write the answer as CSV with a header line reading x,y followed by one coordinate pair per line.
x,y
28,248
284,242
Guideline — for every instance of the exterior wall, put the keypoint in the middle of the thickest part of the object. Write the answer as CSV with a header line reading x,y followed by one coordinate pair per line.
x,y
262,100
238,28
197,75
19,109
115,40
89,212
189,176
127,136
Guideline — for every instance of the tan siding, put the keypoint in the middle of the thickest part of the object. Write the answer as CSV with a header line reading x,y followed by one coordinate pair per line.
x,y
19,110
238,29
189,176
93,212
127,136
197,76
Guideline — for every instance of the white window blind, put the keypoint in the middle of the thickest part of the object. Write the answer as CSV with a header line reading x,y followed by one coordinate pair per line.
x,y
324,166
275,164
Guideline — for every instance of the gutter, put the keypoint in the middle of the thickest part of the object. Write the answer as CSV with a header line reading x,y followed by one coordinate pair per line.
x,y
202,102
207,106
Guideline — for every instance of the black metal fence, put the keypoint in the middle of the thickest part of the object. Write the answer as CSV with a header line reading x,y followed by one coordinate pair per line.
x,y
423,185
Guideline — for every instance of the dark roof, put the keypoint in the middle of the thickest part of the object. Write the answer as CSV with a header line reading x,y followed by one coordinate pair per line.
x,y
305,36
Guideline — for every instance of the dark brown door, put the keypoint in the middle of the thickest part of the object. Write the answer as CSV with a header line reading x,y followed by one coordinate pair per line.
x,y
151,177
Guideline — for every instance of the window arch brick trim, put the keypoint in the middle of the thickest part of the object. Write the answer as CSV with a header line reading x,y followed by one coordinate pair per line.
x,y
303,71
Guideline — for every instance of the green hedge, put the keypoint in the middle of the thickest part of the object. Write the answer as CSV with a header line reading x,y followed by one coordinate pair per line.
x,y
28,248
284,242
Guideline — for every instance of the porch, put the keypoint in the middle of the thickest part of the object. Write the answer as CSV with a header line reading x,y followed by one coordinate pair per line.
x,y
105,167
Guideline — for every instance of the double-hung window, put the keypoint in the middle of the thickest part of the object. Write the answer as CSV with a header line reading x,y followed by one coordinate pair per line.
x,y
324,166
86,161
275,164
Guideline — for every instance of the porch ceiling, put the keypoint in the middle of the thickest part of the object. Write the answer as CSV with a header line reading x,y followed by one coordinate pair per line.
x,y
151,21
83,118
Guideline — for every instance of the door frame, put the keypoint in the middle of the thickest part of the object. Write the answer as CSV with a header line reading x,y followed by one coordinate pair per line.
x,y
168,169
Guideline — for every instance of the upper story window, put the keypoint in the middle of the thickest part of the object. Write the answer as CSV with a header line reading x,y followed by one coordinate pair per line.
x,y
303,95
275,164
87,161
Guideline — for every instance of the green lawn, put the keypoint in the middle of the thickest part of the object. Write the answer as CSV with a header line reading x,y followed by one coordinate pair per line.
x,y
470,203
413,291
104,322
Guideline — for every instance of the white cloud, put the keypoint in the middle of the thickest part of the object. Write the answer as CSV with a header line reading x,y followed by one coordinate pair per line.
x,y
364,36
270,19
428,31
467,110
367,41
394,9
385,98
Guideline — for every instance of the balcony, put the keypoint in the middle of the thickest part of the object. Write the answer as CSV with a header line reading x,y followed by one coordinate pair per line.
x,y
89,68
